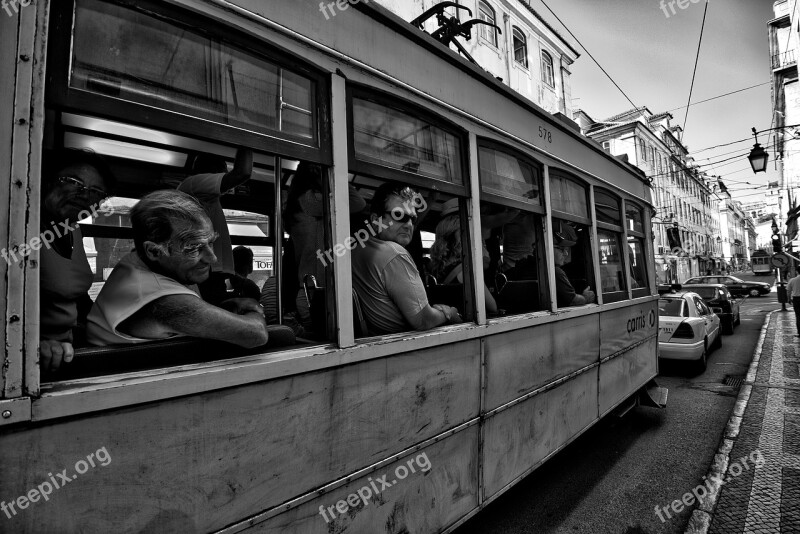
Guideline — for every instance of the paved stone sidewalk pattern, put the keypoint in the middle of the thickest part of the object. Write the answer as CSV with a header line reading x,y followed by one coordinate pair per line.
x,y
766,420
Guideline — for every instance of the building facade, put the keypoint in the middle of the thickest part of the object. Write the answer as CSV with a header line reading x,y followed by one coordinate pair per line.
x,y
690,238
784,143
527,54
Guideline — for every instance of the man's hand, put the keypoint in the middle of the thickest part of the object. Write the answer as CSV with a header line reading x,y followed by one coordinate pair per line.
x,y
450,313
589,295
52,353
242,306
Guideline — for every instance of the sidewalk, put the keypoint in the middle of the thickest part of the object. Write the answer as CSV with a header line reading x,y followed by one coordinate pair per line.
x,y
759,457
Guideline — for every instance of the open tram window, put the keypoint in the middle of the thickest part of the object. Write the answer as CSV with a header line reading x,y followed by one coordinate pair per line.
x,y
613,279
511,229
636,249
410,267
247,212
575,283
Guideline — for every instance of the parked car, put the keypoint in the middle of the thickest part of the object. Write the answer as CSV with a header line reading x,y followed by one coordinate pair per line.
x,y
722,302
687,328
736,286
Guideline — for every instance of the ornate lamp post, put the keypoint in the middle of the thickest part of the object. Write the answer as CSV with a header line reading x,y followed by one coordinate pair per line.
x,y
758,156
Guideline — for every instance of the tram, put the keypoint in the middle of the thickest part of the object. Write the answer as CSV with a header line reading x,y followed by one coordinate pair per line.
x,y
344,430
761,263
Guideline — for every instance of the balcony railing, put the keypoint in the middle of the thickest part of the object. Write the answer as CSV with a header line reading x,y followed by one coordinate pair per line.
x,y
784,59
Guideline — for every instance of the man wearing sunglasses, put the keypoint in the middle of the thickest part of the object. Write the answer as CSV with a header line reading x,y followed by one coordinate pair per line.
x,y
385,278
152,292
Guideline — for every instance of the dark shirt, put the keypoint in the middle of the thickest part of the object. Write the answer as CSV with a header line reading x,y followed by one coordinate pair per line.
x,y
565,293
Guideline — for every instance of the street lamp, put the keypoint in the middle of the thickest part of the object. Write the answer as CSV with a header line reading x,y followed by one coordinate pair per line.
x,y
758,156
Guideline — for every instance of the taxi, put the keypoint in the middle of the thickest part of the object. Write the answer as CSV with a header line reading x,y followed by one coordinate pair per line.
x,y
687,328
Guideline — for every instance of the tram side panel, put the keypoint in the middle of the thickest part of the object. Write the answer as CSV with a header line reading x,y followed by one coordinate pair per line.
x,y
520,361
393,499
202,462
629,338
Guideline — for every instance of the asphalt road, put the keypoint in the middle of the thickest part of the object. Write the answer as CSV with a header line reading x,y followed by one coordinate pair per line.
x,y
611,479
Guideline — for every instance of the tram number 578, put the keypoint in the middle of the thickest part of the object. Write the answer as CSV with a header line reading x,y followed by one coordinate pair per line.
x,y
545,134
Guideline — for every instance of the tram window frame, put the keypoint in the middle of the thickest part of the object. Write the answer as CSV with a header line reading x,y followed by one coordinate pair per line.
x,y
640,236
606,229
358,166
538,211
60,95
581,222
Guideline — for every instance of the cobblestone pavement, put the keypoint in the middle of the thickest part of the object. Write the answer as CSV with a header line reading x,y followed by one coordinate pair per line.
x,y
754,482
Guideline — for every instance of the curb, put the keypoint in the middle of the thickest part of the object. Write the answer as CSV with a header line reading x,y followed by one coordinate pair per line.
x,y
701,517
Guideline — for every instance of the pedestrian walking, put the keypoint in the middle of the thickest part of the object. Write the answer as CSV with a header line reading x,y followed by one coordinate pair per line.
x,y
793,294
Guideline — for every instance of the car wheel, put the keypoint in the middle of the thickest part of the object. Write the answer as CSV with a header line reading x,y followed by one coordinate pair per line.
x,y
754,293
727,326
718,341
701,364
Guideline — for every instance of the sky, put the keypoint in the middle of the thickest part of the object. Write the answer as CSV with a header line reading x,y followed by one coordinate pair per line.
x,y
651,56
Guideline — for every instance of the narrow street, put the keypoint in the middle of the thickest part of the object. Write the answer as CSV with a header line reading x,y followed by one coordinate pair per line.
x,y
611,479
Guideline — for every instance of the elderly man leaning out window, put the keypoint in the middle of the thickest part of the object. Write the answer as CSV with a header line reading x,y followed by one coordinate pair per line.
x,y
152,292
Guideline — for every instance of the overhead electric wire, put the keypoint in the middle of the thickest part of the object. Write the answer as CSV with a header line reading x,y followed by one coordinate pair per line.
x,y
696,61
718,96
590,54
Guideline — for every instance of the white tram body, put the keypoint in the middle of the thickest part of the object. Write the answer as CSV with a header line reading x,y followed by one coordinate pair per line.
x,y
265,442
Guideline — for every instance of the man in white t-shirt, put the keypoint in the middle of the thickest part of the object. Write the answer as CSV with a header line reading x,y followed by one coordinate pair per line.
x,y
209,181
152,292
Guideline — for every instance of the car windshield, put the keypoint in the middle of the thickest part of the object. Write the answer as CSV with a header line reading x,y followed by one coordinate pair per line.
x,y
672,308
705,292
736,280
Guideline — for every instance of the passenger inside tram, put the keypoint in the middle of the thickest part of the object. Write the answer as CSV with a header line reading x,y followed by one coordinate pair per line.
x,y
447,256
304,220
210,179
386,280
74,183
241,284
564,239
152,292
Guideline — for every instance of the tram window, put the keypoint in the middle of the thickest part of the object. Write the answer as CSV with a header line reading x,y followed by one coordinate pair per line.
x,y
399,140
410,268
636,249
568,196
608,213
511,229
123,52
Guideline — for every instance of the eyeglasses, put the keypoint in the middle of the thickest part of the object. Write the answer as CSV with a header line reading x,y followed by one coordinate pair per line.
x,y
81,188
193,251
404,219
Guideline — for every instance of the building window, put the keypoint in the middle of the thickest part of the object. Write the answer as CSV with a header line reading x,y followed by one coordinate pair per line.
x,y
547,69
607,146
486,13
520,47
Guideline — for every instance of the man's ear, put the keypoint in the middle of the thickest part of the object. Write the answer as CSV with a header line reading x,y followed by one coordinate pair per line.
x,y
152,251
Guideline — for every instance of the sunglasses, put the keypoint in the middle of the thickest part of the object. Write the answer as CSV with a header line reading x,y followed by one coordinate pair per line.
x,y
404,219
81,188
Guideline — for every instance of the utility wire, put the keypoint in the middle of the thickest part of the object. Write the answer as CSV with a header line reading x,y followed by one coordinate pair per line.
x,y
719,96
590,54
696,61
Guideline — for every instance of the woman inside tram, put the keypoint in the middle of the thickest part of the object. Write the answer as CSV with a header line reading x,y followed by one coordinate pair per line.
x,y
447,255
74,183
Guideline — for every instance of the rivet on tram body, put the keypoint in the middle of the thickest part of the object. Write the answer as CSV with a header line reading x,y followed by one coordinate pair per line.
x,y
25,57
22,121
13,319
6,414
